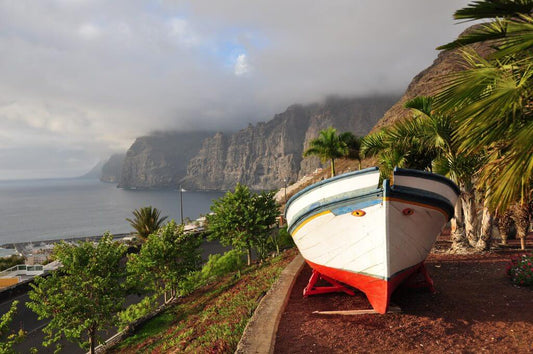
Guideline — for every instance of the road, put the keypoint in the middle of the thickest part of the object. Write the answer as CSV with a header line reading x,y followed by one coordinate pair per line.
x,y
27,320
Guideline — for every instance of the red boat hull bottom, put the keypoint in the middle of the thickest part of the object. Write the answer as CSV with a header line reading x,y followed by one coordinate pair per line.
x,y
378,291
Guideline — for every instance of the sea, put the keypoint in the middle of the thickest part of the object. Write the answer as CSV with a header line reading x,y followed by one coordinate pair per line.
x,y
49,209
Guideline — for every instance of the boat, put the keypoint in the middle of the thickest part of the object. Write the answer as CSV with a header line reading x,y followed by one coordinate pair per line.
x,y
357,233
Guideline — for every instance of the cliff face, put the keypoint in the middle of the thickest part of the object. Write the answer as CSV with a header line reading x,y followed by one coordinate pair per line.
x,y
264,155
159,160
112,168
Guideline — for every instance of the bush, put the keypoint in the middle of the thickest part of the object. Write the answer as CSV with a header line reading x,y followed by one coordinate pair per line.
x,y
217,266
10,261
137,311
520,270
285,239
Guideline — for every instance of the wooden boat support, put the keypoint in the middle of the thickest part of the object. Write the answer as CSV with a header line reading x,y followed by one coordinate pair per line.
x,y
335,287
392,309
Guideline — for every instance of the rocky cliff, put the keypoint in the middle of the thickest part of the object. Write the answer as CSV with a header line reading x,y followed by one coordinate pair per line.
x,y
112,168
160,160
94,173
265,155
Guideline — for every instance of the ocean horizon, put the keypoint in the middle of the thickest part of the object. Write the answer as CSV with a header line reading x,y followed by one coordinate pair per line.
x,y
49,209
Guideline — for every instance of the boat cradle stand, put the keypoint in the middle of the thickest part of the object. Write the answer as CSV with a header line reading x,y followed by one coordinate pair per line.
x,y
413,281
426,282
335,287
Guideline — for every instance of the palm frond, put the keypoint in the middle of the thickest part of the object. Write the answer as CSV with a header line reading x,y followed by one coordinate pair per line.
x,y
422,104
493,31
374,143
484,9
518,38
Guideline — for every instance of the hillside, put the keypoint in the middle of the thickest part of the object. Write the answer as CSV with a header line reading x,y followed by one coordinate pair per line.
x,y
428,81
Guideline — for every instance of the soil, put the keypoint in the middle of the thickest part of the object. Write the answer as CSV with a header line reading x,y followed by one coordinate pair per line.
x,y
475,308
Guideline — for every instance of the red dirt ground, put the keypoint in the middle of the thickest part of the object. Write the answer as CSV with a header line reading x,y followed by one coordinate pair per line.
x,y
475,308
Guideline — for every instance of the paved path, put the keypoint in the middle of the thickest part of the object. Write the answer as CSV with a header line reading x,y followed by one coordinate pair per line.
x,y
260,334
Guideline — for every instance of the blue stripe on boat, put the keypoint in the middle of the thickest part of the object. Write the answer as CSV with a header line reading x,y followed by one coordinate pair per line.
x,y
336,206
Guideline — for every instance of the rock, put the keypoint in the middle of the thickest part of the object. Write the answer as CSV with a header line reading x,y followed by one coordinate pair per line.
x,y
112,168
94,173
160,160
265,155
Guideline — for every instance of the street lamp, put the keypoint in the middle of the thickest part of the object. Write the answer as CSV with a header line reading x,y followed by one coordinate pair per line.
x,y
285,180
181,204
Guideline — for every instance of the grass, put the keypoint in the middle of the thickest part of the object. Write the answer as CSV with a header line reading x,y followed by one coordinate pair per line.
x,y
213,318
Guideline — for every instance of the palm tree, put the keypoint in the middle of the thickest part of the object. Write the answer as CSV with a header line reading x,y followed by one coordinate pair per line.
x,y
146,221
404,144
492,98
438,131
328,146
353,143
425,141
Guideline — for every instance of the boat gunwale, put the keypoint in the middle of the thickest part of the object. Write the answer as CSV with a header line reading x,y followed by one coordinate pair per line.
x,y
406,194
427,175
422,196
326,206
328,180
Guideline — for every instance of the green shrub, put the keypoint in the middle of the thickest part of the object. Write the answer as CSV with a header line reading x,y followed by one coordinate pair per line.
x,y
285,239
217,266
520,269
136,311
10,261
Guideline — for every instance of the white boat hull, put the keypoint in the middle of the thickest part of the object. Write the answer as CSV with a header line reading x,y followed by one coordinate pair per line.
x,y
368,237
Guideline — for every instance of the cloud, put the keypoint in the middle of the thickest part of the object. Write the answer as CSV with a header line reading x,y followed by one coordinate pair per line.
x,y
181,29
241,65
93,75
89,31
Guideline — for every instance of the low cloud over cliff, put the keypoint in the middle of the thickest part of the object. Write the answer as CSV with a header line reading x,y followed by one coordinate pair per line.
x,y
83,78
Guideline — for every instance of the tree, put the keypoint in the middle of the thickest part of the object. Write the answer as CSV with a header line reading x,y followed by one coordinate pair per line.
x,y
425,141
353,143
437,130
243,220
146,221
521,215
165,259
8,338
404,144
328,146
491,99
505,223
84,295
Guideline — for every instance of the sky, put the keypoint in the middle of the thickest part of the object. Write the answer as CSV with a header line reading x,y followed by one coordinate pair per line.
x,y
81,79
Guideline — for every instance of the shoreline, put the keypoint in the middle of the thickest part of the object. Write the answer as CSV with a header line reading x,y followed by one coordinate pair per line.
x,y
13,245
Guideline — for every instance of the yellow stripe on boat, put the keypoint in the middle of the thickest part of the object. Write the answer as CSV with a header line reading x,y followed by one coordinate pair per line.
x,y
308,220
